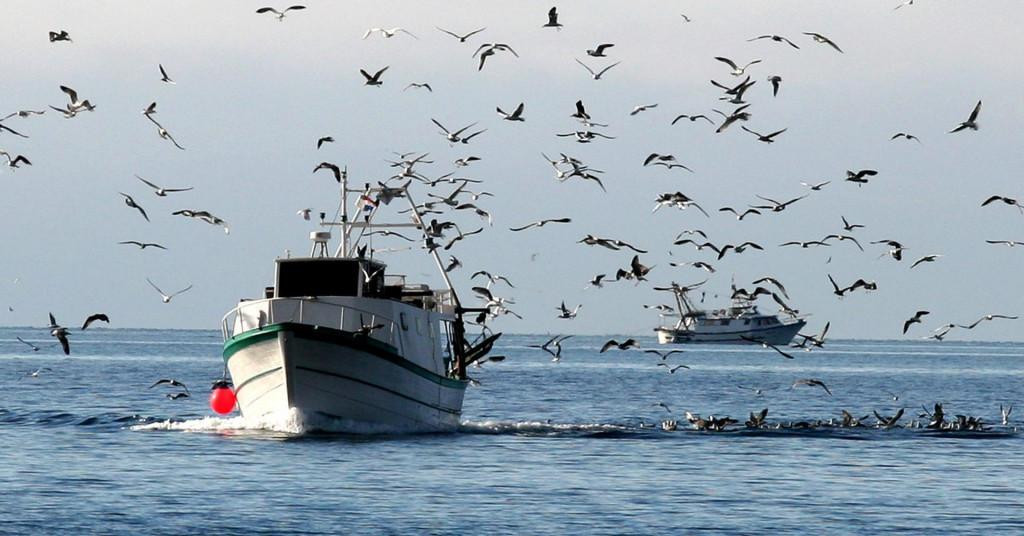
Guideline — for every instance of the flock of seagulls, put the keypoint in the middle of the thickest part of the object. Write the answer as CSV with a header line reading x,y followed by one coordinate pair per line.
x,y
738,92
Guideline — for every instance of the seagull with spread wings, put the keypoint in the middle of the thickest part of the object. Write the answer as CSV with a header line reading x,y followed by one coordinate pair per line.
x,y
972,121
599,74
160,191
280,14
167,297
461,38
540,223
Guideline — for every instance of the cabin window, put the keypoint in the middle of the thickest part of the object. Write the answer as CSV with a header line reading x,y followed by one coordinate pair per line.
x,y
328,277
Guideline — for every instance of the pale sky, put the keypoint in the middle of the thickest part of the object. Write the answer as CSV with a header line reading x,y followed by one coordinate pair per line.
x,y
253,95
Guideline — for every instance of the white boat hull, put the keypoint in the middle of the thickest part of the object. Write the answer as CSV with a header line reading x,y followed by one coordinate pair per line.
x,y
780,334
339,375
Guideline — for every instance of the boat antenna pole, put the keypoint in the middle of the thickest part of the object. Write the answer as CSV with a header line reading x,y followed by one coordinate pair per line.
x,y
459,328
344,212
433,251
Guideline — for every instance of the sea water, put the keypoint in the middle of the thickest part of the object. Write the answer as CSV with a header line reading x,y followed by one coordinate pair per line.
x,y
545,447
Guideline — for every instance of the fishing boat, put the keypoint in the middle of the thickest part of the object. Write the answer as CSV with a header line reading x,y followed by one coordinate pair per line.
x,y
740,323
338,336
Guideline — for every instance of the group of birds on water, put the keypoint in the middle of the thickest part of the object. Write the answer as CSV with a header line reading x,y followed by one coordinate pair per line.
x,y
934,420
568,168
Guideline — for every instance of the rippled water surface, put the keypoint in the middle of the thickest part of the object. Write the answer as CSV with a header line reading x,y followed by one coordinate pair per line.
x,y
554,448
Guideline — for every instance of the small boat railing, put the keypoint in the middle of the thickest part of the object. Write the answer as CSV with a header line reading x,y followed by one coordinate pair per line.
x,y
257,314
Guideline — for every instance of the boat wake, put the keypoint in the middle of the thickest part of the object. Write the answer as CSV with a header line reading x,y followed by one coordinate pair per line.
x,y
548,428
290,423
294,424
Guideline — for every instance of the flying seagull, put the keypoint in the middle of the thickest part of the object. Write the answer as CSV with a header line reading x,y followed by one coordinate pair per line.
x,y
160,130
452,137
461,38
30,345
15,162
170,381
987,317
599,51
916,319
859,177
813,383
280,14
323,140
776,38
736,70
972,121
4,127
23,113
76,105
692,118
488,49
162,192
663,355
60,36
516,115
388,34
557,341
131,203
163,75
142,245
540,223
906,136
167,297
815,187
333,168
612,343
767,138
642,108
553,19
1007,200
1010,243
765,344
824,40
597,75
93,318
61,333
375,79
926,258
205,216
564,312
847,226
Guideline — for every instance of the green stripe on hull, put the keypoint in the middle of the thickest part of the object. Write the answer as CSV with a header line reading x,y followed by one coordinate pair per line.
x,y
336,336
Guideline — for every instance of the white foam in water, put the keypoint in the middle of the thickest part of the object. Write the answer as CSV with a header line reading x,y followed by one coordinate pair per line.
x,y
537,427
291,422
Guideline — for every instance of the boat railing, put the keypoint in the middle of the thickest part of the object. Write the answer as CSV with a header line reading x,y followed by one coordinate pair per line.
x,y
251,315
445,297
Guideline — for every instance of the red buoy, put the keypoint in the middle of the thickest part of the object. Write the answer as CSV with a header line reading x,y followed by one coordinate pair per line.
x,y
222,398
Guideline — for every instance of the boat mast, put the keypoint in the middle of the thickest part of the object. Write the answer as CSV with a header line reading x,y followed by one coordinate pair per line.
x,y
458,327
344,212
347,244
